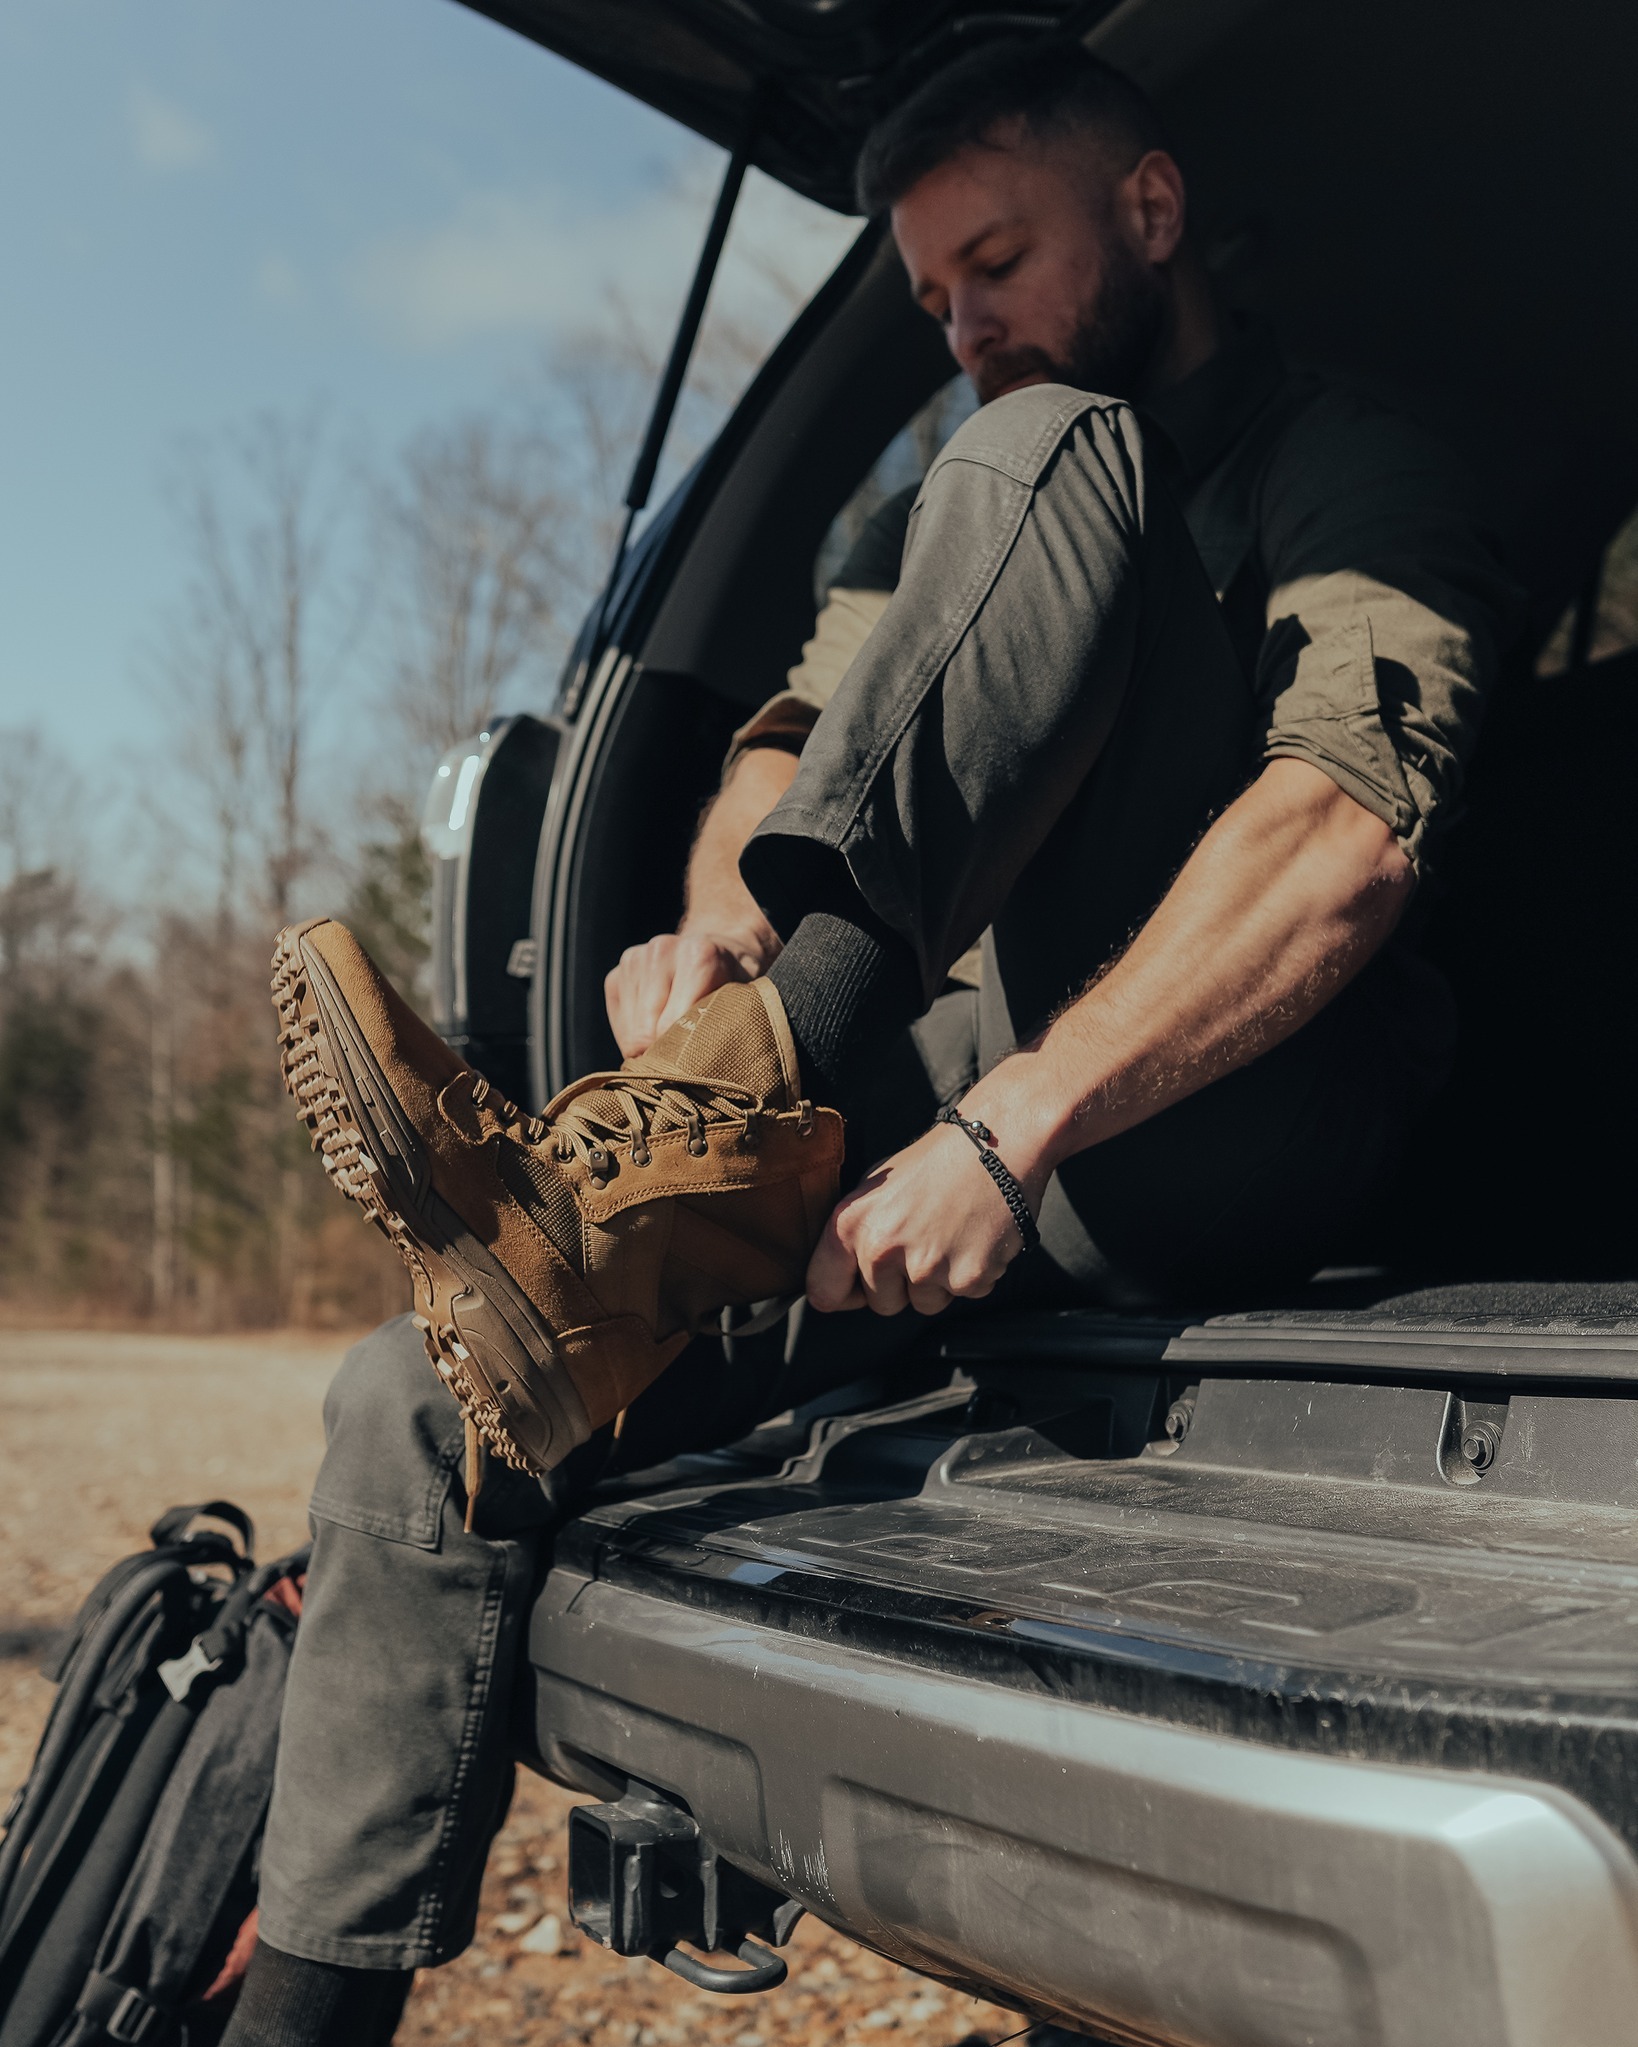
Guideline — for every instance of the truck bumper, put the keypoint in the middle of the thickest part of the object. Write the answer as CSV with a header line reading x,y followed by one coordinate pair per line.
x,y
1143,1880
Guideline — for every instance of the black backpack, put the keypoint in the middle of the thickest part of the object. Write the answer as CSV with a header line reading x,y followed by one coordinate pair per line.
x,y
129,1861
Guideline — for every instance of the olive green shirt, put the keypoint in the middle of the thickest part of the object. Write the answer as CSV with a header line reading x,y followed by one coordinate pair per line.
x,y
1347,548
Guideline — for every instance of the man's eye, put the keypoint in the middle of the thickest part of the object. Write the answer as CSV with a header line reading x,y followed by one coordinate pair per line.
x,y
996,271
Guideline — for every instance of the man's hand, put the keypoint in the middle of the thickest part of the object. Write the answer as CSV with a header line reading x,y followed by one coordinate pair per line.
x,y
656,983
924,1228
724,936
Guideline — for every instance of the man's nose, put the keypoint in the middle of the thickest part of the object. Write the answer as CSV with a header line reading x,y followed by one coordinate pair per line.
x,y
974,329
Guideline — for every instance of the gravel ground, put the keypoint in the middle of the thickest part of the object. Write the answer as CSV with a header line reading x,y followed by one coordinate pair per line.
x,y
503,1991
100,1432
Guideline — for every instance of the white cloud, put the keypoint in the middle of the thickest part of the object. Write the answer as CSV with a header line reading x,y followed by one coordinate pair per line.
x,y
509,263
164,136
502,263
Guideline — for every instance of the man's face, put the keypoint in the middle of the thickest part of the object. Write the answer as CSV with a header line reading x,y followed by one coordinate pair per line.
x,y
1042,265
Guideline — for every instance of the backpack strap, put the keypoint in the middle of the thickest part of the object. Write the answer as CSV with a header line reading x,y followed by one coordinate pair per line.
x,y
66,1724
124,2014
223,1640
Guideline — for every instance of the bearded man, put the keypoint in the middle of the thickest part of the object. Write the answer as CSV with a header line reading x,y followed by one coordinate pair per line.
x,y
1167,709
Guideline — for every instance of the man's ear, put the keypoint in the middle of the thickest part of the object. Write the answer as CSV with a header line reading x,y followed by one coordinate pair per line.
x,y
1154,192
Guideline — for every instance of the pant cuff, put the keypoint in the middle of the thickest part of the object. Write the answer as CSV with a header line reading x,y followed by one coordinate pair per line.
x,y
350,1951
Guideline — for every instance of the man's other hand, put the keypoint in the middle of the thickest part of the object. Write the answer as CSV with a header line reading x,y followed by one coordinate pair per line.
x,y
656,983
924,1228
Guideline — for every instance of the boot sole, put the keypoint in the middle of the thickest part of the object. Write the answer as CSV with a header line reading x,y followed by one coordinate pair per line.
x,y
484,1337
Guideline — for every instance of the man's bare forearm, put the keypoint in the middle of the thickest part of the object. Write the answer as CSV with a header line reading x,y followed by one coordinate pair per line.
x,y
718,902
1283,901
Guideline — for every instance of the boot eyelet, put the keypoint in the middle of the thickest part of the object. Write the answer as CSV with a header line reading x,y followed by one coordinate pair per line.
x,y
641,1158
697,1151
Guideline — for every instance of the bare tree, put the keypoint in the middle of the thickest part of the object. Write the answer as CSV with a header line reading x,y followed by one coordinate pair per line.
x,y
254,654
45,922
498,530
486,551
603,381
41,804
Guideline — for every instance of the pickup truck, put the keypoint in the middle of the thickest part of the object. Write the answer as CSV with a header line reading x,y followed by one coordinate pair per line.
x,y
1241,1673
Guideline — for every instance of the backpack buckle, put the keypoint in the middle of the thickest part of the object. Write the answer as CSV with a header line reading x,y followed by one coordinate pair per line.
x,y
132,2019
179,1676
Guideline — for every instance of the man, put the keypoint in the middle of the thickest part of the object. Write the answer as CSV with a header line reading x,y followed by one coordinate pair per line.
x,y
1170,705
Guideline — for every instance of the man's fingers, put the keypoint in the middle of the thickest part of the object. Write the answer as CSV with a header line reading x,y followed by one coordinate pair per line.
x,y
833,1273
885,1292
973,1272
638,990
912,1235
699,968
656,983
881,1274
927,1298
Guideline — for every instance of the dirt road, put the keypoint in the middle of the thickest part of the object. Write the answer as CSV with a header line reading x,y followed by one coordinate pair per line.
x,y
99,1433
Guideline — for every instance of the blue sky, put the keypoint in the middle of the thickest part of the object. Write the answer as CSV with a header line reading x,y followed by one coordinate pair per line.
x,y
219,206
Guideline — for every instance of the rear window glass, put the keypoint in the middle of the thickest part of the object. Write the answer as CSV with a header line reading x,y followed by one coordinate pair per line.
x,y
780,249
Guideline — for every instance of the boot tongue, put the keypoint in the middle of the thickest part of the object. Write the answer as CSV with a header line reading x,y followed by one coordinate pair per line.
x,y
735,1035
738,1036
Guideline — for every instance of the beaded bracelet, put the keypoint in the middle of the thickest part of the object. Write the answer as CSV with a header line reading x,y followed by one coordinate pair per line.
x,y
1011,1193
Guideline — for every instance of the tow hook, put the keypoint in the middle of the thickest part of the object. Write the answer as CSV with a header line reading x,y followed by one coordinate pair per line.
x,y
643,1879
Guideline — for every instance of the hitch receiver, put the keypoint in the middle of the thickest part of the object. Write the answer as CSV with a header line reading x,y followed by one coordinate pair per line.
x,y
642,1879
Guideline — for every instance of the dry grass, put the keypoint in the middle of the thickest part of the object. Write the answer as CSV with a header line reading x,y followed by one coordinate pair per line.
x,y
100,1432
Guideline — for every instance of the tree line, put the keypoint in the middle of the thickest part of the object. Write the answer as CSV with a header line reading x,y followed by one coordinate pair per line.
x,y
342,623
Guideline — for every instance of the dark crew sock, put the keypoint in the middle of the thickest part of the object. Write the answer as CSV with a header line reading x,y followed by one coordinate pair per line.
x,y
289,2002
849,985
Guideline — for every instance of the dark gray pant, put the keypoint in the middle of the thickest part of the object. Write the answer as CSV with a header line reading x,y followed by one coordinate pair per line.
x,y
1031,742
397,1737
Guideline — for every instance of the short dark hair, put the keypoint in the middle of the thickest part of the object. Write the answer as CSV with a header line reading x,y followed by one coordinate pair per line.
x,y
1051,85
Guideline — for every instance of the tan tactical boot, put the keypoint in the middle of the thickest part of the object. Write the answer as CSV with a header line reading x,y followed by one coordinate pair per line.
x,y
560,1262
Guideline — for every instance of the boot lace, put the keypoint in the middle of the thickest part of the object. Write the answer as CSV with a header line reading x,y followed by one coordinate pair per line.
x,y
648,1106
529,1129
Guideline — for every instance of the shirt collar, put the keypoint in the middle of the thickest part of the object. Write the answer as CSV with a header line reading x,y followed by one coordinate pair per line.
x,y
1203,416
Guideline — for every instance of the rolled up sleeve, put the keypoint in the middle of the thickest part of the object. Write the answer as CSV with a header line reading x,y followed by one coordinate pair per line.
x,y
1388,612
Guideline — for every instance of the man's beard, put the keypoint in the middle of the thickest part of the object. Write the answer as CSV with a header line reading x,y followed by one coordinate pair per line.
x,y
1114,343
